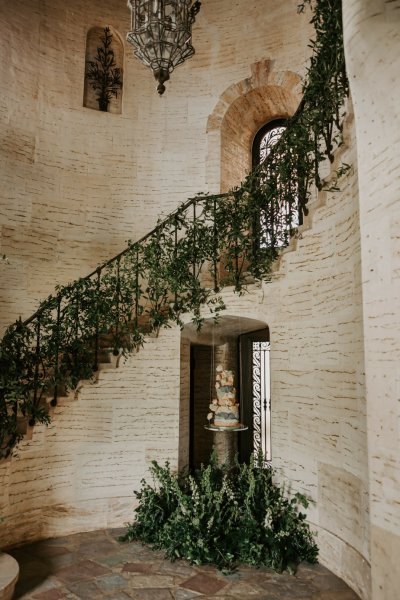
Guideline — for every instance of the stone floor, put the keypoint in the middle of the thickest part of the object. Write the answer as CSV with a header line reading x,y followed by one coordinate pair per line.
x,y
95,565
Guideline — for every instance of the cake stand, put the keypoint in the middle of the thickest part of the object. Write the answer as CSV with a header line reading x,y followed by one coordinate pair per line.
x,y
225,445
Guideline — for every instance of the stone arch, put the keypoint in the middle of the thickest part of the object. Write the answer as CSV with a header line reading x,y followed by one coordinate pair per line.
x,y
223,337
241,110
92,42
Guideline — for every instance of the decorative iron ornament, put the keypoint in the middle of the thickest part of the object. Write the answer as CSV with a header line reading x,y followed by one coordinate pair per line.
x,y
162,34
269,140
278,223
261,399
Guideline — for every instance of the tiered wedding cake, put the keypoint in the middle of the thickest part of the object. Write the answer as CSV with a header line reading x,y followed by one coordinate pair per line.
x,y
224,409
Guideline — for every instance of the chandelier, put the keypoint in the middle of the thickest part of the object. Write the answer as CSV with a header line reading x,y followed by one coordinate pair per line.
x,y
162,34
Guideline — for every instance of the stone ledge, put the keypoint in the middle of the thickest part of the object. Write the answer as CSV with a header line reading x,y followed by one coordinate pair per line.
x,y
9,571
344,561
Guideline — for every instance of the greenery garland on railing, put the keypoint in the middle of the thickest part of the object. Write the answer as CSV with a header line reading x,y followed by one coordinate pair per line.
x,y
177,268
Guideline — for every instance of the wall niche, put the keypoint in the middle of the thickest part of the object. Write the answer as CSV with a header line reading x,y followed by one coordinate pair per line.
x,y
103,70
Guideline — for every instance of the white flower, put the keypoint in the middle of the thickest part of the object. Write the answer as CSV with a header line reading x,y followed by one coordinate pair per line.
x,y
268,519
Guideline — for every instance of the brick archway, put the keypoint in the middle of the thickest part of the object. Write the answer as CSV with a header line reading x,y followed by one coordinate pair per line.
x,y
241,110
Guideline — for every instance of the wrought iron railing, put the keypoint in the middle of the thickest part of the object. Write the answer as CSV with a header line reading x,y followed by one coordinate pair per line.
x,y
180,266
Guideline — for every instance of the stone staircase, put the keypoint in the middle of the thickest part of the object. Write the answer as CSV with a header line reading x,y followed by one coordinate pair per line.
x,y
109,361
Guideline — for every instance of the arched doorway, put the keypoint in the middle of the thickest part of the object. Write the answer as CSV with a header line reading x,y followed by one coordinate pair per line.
x,y
230,343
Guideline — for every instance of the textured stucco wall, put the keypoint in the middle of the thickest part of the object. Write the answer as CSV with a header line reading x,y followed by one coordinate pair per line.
x,y
69,477
76,183
80,472
372,44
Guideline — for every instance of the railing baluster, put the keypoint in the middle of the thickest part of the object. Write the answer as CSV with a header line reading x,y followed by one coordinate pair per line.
x,y
137,292
215,246
288,225
194,240
76,333
175,258
316,162
57,353
36,375
118,291
236,246
97,326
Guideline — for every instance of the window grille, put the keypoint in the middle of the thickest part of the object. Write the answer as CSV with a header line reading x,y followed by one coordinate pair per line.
x,y
278,220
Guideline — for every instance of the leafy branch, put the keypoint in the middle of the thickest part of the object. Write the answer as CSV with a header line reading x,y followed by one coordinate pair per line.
x,y
223,516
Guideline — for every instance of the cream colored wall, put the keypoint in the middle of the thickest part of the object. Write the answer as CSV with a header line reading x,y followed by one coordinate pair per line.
x,y
318,387
75,183
66,172
372,36
79,474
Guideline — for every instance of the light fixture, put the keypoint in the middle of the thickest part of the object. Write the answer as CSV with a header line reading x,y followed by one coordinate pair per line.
x,y
162,34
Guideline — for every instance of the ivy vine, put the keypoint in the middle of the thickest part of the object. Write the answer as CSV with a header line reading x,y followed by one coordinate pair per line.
x,y
179,267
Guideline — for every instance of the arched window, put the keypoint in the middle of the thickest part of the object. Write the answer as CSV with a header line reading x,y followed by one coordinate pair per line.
x,y
265,139
279,219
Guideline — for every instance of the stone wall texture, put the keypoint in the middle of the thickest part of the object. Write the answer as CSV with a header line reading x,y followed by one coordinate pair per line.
x,y
372,37
77,183
81,471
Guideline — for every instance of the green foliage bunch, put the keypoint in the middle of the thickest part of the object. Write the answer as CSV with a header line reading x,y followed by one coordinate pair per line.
x,y
223,516
179,267
280,188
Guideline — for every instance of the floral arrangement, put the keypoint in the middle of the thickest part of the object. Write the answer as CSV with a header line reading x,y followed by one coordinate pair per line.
x,y
223,516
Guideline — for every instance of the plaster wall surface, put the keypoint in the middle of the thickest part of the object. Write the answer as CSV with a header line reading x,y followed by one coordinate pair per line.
x,y
77,183
372,45
79,473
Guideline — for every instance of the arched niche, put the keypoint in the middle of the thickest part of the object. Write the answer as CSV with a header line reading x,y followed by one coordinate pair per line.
x,y
94,38
240,112
200,352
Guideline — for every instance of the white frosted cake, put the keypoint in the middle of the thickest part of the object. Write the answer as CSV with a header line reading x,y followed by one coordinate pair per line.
x,y
224,408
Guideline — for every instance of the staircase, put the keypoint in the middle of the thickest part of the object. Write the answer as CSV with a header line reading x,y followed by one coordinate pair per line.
x,y
179,267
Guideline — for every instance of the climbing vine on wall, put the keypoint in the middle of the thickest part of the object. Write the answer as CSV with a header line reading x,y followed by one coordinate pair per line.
x,y
179,267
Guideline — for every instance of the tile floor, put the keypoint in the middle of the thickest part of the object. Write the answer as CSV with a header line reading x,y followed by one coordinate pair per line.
x,y
95,565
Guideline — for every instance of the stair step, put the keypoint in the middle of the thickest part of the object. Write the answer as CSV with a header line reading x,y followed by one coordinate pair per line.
x,y
22,425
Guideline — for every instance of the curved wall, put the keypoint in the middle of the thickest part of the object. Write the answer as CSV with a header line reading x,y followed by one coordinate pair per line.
x,y
80,472
372,46
76,183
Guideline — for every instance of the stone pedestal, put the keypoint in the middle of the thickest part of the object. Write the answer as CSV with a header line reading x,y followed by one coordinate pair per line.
x,y
9,571
226,446
225,442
